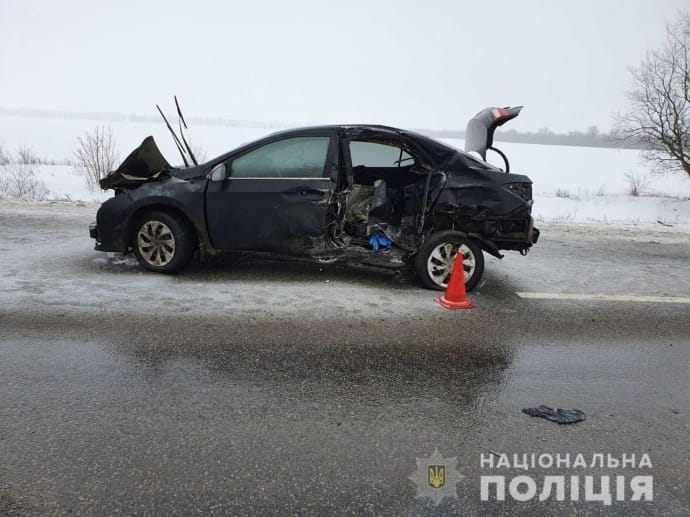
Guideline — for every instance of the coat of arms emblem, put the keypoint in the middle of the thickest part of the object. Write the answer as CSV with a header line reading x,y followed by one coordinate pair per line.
x,y
436,477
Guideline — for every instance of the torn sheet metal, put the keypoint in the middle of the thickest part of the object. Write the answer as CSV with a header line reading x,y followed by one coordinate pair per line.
x,y
145,163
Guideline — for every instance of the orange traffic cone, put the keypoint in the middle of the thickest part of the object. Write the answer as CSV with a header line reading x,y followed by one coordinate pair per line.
x,y
455,292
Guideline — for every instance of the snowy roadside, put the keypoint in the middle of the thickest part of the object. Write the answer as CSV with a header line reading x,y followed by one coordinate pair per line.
x,y
646,232
613,209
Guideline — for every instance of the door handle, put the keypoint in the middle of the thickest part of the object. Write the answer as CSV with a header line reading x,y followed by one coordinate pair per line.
x,y
314,193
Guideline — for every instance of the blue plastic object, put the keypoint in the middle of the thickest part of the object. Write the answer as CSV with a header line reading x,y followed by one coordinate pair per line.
x,y
377,241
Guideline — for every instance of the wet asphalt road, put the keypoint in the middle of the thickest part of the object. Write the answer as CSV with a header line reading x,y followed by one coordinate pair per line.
x,y
263,388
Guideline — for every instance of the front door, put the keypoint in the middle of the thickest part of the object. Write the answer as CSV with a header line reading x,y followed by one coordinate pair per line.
x,y
274,198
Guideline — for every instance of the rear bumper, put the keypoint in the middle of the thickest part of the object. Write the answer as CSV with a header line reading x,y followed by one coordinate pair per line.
x,y
525,236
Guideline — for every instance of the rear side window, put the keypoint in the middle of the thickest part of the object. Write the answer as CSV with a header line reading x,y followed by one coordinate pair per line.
x,y
299,157
372,154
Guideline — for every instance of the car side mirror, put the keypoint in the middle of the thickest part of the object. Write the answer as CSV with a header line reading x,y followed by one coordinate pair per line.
x,y
219,173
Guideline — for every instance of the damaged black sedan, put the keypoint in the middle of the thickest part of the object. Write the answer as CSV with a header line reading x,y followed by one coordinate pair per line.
x,y
363,194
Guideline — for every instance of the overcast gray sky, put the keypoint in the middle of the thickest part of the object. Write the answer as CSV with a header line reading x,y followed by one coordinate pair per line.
x,y
418,63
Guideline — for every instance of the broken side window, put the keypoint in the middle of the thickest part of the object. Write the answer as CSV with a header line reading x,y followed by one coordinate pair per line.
x,y
373,154
373,160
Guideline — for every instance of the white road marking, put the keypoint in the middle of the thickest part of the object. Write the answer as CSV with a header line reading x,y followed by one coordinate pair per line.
x,y
605,297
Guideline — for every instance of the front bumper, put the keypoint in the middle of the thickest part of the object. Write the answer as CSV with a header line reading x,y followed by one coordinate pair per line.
x,y
532,232
108,230
93,231
95,234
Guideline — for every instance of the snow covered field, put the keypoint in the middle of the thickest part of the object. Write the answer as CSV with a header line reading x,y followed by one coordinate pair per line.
x,y
571,184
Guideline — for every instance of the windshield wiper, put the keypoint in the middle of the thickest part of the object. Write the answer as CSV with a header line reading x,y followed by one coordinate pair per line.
x,y
175,138
182,121
179,144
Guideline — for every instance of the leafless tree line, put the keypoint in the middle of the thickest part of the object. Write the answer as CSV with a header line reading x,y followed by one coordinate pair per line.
x,y
94,158
26,155
18,178
19,181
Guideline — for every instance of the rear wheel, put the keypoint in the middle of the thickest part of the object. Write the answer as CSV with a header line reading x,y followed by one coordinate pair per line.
x,y
163,242
436,259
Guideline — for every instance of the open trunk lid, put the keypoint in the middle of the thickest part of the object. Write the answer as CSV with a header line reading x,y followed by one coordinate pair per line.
x,y
479,134
145,163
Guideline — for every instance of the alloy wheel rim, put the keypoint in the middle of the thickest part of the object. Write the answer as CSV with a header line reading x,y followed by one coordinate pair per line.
x,y
441,262
156,243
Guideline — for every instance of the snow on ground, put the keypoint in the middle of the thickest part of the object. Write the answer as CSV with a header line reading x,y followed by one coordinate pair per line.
x,y
571,184
63,183
613,209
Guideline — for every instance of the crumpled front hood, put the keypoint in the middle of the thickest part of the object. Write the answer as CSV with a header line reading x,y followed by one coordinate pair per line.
x,y
143,164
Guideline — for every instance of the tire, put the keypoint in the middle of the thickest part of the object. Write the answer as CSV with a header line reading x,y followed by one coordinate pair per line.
x,y
437,254
163,242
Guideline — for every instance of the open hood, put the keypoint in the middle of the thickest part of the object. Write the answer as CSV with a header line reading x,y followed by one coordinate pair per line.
x,y
143,164
479,134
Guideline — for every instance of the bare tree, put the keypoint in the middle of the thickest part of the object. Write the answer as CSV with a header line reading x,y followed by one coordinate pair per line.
x,y
637,184
659,116
27,156
18,180
95,156
4,157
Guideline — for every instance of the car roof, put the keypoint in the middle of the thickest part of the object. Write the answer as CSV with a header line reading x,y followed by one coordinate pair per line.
x,y
335,128
430,145
355,129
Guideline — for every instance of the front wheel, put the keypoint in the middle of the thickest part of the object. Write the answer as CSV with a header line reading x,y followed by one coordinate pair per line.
x,y
163,243
436,258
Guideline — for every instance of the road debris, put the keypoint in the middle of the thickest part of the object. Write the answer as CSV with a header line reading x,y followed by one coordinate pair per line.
x,y
560,416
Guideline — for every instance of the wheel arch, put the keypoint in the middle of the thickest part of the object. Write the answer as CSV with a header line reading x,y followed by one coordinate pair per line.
x,y
445,221
153,206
